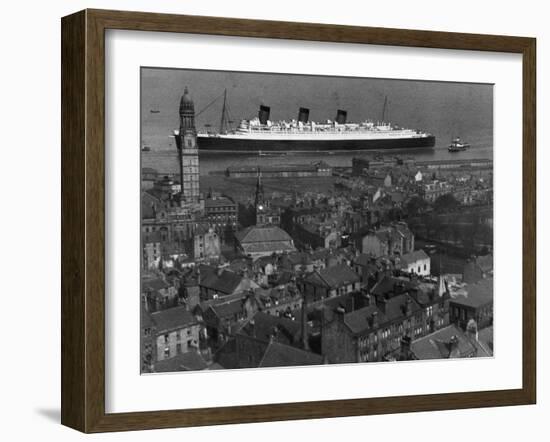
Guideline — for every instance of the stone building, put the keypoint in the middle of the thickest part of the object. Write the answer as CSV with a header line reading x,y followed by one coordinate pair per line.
x,y
176,331
417,262
158,294
222,213
223,283
474,302
389,240
256,242
374,331
206,244
329,282
151,250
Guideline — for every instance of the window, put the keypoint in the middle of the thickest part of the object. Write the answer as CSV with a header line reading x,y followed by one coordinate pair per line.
x,y
166,338
147,331
178,348
166,352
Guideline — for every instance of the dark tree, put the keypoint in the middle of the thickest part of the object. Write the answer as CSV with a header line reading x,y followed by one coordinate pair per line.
x,y
415,206
446,203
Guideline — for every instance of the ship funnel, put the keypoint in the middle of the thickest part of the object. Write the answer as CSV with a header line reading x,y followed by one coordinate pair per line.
x,y
341,116
303,115
263,114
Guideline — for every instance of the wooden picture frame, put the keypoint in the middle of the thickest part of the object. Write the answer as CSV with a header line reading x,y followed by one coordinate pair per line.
x,y
83,220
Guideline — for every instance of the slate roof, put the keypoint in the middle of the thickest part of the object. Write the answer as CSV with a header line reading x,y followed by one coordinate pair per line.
x,y
281,355
228,309
361,320
262,325
146,320
437,345
147,201
225,283
226,356
388,285
254,234
190,361
154,284
414,256
173,319
269,246
332,277
395,307
363,260
477,295
218,202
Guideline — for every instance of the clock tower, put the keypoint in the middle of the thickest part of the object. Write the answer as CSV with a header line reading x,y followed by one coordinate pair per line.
x,y
188,153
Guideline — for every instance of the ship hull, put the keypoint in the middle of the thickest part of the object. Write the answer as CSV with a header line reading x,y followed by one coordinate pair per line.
x,y
219,144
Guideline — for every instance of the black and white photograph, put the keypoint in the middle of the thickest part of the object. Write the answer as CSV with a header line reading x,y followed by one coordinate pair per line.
x,y
299,220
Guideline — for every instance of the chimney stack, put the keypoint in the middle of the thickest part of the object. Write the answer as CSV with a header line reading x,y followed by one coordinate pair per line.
x,y
374,318
405,348
471,330
408,306
263,114
340,313
341,116
381,303
454,352
303,115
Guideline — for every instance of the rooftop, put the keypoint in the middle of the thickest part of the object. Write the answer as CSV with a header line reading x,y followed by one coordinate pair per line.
x,y
476,295
153,284
262,326
224,283
254,234
361,320
228,309
173,319
267,247
438,345
332,277
396,306
219,202
281,355
414,256
189,361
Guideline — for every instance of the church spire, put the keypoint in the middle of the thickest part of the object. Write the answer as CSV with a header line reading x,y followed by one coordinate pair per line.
x,y
259,200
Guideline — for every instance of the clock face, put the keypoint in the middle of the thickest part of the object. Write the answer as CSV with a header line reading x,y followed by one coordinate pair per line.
x,y
189,141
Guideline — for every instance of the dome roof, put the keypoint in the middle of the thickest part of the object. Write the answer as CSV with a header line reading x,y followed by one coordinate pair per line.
x,y
186,99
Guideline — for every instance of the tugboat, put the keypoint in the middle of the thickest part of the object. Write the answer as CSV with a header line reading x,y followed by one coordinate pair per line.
x,y
457,145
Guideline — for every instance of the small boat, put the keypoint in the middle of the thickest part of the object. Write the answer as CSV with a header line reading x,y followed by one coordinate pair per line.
x,y
457,145
155,111
145,149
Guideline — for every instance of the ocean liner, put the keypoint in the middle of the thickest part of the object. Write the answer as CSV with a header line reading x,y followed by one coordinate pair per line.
x,y
262,135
